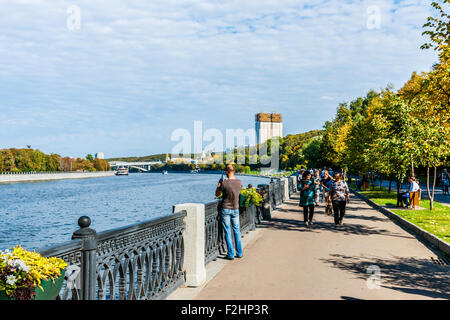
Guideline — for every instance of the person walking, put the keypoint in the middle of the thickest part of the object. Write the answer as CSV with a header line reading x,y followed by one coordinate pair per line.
x,y
317,185
307,190
230,190
326,184
339,196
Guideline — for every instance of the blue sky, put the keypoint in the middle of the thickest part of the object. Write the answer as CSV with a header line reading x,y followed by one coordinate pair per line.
x,y
137,70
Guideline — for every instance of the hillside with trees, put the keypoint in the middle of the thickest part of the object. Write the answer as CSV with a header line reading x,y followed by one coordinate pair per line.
x,y
33,160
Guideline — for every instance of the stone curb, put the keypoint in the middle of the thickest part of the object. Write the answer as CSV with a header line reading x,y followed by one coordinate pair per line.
x,y
428,237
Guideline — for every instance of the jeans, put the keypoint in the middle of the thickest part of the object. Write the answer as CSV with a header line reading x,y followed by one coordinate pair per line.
x,y
338,210
230,223
405,198
308,216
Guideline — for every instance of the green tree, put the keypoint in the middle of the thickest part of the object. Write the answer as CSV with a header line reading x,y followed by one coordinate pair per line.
x,y
101,165
7,163
392,123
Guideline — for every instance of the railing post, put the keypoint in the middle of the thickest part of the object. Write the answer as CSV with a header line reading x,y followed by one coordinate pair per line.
x,y
88,257
194,243
286,189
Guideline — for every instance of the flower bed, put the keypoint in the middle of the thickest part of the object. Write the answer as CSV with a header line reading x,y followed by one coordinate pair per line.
x,y
22,272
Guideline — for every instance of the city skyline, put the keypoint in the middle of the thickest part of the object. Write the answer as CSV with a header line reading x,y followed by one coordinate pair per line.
x,y
130,74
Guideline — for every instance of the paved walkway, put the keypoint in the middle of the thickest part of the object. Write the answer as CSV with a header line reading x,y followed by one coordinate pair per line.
x,y
288,261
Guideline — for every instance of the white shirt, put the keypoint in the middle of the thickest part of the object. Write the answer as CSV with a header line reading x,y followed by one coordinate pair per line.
x,y
414,187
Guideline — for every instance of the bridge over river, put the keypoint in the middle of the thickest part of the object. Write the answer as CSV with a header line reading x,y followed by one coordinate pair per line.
x,y
141,166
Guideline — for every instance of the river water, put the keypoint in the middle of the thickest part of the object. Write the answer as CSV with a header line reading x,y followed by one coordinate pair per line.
x,y
40,214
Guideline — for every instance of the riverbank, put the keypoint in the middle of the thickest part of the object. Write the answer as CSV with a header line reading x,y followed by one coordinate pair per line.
x,y
31,177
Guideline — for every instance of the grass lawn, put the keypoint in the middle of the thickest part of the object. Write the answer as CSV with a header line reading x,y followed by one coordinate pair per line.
x,y
436,222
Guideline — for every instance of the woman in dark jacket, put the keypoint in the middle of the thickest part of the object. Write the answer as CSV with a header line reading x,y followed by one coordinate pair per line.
x,y
308,191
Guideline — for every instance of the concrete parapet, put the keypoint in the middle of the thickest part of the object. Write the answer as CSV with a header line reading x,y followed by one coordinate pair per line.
x,y
194,243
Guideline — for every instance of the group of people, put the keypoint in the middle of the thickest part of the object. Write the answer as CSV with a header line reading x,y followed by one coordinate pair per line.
x,y
317,186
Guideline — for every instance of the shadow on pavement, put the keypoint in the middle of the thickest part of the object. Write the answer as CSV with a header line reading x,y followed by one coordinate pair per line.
x,y
320,226
411,275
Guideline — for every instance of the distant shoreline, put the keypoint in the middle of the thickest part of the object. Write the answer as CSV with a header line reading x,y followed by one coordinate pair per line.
x,y
33,177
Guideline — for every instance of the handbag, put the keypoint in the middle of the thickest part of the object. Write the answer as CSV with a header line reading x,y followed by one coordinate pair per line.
x,y
328,210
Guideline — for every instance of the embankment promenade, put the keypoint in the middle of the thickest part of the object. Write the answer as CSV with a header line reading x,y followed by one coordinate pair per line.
x,y
45,176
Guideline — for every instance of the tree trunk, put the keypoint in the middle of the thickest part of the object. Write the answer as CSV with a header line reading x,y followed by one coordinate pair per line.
x,y
390,185
412,167
428,187
398,192
432,193
381,181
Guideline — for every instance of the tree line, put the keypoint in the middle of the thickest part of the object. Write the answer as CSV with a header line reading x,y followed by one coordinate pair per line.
x,y
33,160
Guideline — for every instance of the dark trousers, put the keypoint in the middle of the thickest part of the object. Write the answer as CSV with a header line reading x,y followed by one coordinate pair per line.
x,y
308,212
338,210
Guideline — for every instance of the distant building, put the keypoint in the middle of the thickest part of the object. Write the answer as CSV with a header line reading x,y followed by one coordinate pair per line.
x,y
100,155
267,126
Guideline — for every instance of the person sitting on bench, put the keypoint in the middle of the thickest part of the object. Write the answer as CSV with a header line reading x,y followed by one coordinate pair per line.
x,y
413,187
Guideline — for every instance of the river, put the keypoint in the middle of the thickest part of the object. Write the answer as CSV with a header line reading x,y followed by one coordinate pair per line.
x,y
40,214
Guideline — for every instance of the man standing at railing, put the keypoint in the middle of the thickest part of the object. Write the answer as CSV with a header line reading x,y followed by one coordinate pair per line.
x,y
230,190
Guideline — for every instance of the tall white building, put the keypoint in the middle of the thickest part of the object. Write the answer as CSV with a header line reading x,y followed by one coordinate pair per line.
x,y
267,126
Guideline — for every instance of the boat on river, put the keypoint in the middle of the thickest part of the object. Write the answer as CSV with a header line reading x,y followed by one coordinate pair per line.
x,y
165,172
122,171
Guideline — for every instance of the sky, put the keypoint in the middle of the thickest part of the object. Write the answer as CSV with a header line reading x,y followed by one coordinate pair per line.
x,y
118,77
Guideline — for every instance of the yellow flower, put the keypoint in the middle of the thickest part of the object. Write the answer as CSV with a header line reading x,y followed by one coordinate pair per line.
x,y
41,268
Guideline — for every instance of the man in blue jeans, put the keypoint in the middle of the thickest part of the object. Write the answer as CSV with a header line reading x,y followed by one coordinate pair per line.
x,y
230,190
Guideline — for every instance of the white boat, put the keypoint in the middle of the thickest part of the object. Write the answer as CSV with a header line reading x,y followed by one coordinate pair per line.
x,y
122,171
165,172
195,171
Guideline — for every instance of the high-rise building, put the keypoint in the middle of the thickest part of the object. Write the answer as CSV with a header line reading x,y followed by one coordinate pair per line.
x,y
267,126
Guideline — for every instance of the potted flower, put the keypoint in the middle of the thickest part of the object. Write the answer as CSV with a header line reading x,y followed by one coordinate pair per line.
x,y
249,197
26,275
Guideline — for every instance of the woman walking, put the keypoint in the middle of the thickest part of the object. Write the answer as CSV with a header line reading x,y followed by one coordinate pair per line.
x,y
307,197
339,196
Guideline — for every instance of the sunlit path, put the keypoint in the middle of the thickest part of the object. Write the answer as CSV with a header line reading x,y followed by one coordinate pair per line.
x,y
289,261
